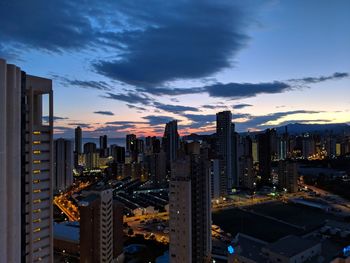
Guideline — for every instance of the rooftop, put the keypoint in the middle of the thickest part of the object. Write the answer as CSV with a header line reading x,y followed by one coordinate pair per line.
x,y
291,245
67,231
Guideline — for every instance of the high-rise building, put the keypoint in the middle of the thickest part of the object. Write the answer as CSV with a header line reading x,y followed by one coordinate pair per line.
x,y
103,146
26,121
101,228
215,178
265,155
227,151
190,207
170,141
288,176
63,164
90,147
118,153
255,151
156,167
130,142
78,140
77,146
246,172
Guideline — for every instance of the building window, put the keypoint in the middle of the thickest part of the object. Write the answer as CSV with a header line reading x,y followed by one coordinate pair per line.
x,y
36,142
36,230
36,132
36,191
36,171
36,161
36,151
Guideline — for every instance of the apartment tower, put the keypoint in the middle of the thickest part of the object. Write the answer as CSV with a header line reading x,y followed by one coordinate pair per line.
x,y
101,227
26,166
190,206
63,164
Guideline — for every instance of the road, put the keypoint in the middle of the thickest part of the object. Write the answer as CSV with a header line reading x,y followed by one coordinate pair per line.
x,y
66,206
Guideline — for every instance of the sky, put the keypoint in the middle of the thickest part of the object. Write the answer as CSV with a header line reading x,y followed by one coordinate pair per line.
x,y
130,66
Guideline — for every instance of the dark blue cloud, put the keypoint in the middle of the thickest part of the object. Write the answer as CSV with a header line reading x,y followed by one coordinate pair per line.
x,y
334,76
99,85
85,84
245,90
174,108
130,97
136,107
241,106
52,26
108,113
228,90
55,118
214,106
234,90
175,40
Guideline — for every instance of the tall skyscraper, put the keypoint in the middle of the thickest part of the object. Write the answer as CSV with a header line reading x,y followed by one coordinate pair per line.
x,y
63,164
90,147
190,206
131,147
170,141
130,142
227,151
288,176
103,146
118,153
265,155
26,121
101,228
78,140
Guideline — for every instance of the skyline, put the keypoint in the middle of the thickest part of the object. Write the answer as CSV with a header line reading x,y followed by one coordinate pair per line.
x,y
130,68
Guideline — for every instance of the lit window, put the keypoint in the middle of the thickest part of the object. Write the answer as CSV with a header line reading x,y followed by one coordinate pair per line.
x,y
36,171
37,220
36,142
37,201
36,151
36,132
36,230
38,239
37,191
36,181
37,211
36,161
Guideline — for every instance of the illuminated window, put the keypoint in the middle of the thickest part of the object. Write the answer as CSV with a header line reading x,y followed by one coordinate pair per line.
x,y
36,171
37,220
37,201
36,132
36,161
38,239
37,191
36,230
37,211
36,151
36,142
36,181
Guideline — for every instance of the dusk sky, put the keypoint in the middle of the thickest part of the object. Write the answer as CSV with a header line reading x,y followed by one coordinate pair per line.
x,y
129,66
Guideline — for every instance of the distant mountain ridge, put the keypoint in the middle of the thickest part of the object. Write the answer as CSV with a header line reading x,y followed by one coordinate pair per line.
x,y
299,128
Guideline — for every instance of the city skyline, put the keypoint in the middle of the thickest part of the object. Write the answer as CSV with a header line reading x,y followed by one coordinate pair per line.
x,y
131,68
